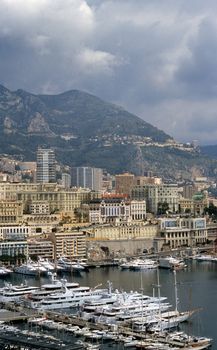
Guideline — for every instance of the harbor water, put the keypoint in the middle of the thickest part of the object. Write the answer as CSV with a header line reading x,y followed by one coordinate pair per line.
x,y
197,289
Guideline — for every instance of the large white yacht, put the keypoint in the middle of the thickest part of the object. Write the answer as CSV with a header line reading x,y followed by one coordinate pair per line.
x,y
68,265
53,287
69,298
13,293
31,268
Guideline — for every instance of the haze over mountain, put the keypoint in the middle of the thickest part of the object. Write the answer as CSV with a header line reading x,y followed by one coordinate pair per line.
x,y
85,130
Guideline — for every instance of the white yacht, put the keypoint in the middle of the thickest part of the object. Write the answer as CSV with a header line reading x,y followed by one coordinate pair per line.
x,y
186,341
69,298
26,269
53,287
30,268
13,293
204,257
125,265
49,266
68,265
128,306
170,262
4,271
143,264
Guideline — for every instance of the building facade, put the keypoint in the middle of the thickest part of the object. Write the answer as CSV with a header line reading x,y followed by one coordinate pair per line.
x,y
87,177
108,209
72,245
45,166
66,180
14,251
116,210
122,232
41,248
11,212
15,233
124,183
179,232
156,196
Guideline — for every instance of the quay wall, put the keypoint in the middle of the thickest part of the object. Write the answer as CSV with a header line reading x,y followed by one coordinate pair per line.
x,y
118,248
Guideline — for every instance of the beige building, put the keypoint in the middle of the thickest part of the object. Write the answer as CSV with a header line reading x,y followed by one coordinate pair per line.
x,y
212,232
186,205
108,209
196,205
11,212
122,232
178,232
200,200
42,223
156,195
116,209
144,180
138,210
41,248
39,207
8,191
59,199
72,245
189,191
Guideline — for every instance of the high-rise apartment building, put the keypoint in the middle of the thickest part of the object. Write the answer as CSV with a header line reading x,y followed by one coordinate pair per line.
x,y
66,180
45,166
87,177
124,183
158,195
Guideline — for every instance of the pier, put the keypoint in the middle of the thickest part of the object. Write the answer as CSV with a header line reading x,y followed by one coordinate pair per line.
x,y
9,341
18,341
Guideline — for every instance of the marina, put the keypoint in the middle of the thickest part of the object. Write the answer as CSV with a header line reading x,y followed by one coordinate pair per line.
x,y
69,321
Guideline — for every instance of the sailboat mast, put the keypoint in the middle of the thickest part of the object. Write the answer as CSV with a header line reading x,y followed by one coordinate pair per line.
x,y
158,289
141,288
175,290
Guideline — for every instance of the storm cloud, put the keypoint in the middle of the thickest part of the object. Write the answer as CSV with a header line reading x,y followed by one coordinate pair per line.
x,y
158,59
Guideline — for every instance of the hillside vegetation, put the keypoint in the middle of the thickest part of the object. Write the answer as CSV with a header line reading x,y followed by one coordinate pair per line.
x,y
85,130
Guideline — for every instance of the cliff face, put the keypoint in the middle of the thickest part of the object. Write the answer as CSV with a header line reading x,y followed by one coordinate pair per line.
x,y
84,130
74,112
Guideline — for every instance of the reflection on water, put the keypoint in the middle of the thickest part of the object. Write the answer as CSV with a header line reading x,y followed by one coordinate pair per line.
x,y
197,288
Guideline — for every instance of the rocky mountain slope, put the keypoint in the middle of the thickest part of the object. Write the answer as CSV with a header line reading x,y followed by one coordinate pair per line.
x,y
84,130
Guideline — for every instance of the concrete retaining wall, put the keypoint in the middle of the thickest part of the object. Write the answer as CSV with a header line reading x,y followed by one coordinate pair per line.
x,y
102,249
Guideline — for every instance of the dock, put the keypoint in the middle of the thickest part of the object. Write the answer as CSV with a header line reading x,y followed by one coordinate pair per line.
x,y
12,316
102,263
18,342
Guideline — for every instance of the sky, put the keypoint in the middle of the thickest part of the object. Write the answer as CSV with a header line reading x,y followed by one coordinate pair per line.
x,y
157,59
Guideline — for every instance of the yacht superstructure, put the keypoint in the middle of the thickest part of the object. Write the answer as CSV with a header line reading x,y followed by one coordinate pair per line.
x,y
13,293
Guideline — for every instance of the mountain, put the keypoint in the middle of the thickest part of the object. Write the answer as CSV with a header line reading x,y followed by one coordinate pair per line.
x,y
85,130
210,151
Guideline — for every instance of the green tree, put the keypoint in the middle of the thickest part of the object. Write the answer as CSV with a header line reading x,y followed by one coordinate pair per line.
x,y
211,210
163,207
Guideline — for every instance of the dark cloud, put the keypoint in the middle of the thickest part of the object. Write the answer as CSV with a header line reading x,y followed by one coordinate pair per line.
x,y
156,58
199,71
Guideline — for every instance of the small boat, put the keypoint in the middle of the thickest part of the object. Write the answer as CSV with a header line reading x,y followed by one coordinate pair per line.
x,y
143,264
170,262
68,265
4,271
